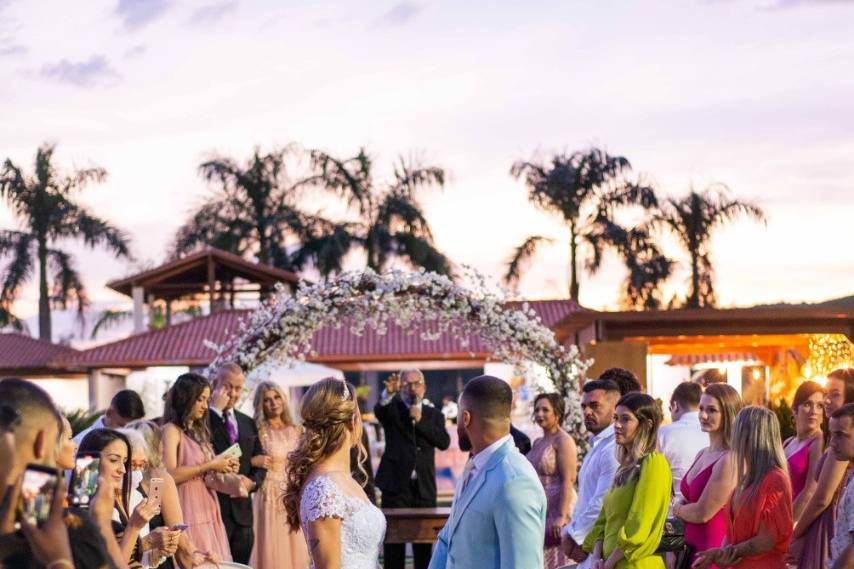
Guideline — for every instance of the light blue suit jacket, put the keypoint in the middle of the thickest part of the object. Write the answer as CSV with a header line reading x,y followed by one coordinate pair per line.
x,y
499,521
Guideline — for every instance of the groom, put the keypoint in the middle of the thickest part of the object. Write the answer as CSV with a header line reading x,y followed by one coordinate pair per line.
x,y
499,514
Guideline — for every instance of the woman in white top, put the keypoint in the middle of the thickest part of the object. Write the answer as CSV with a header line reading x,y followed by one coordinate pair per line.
x,y
343,529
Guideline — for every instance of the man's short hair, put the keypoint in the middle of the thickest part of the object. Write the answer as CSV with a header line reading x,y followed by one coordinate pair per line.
x,y
489,397
606,385
128,404
29,400
846,410
411,371
687,394
625,379
226,370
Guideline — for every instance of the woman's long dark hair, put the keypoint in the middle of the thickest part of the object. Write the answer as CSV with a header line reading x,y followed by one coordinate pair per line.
x,y
182,397
95,442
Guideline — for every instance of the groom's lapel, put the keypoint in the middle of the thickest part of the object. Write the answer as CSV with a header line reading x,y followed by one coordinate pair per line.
x,y
474,487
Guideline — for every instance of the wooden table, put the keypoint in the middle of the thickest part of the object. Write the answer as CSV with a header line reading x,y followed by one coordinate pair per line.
x,y
414,525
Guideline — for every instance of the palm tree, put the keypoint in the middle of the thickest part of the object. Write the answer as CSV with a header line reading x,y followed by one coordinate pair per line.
x,y
693,219
583,189
392,222
647,266
253,211
44,206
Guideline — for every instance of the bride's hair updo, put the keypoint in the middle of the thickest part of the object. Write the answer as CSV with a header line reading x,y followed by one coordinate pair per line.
x,y
327,411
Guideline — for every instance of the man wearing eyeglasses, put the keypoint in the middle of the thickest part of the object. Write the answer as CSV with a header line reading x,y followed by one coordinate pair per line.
x,y
414,429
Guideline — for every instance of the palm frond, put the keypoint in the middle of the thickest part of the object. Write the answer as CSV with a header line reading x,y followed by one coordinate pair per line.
x,y
109,319
350,178
421,252
20,268
67,284
94,231
521,256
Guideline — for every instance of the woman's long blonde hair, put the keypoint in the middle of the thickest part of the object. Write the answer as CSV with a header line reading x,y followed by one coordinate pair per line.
x,y
258,403
328,409
649,417
758,448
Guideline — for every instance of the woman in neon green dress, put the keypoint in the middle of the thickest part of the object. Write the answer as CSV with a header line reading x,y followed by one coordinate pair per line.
x,y
629,527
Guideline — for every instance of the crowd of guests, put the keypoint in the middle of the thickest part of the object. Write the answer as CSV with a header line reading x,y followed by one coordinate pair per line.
x,y
741,495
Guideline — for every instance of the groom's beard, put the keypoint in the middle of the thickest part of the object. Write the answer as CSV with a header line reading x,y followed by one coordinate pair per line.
x,y
464,442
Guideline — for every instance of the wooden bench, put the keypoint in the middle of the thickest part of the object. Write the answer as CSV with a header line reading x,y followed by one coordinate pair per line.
x,y
414,525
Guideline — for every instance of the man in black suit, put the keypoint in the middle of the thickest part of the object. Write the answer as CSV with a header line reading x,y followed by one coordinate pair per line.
x,y
229,426
414,430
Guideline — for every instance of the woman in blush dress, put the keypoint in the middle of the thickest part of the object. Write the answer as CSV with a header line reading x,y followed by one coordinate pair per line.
x,y
189,459
803,450
810,547
554,457
709,483
277,546
759,513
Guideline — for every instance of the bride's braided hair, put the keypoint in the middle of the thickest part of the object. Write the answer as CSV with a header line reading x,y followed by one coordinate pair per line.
x,y
327,410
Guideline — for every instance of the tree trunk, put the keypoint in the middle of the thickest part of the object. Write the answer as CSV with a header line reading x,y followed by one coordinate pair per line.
x,y
573,267
44,298
694,296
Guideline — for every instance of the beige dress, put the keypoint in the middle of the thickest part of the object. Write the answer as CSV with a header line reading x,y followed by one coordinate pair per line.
x,y
276,546
544,458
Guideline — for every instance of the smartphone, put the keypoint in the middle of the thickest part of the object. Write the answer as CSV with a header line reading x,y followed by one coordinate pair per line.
x,y
233,451
155,490
84,480
38,488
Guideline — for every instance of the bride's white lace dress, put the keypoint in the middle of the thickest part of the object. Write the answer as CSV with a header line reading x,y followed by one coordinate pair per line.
x,y
362,523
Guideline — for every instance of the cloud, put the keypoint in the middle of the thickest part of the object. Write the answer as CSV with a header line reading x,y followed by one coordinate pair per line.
x,y
212,13
781,4
138,13
80,74
11,49
401,13
135,51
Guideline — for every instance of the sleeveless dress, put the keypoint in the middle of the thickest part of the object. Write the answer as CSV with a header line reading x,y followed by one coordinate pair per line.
x,y
816,541
362,524
544,459
799,466
200,505
275,548
712,533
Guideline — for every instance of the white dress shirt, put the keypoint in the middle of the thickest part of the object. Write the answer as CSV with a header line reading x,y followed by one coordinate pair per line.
x,y
477,463
680,442
594,479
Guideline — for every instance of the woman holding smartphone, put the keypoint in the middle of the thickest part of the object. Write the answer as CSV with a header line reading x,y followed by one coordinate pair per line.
x,y
189,459
113,450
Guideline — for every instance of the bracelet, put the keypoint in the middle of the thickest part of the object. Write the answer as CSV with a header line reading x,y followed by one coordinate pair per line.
x,y
60,563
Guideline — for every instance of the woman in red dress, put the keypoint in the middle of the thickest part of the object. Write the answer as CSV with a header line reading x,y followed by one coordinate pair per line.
x,y
759,514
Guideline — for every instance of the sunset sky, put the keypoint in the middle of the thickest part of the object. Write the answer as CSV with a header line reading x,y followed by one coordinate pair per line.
x,y
757,94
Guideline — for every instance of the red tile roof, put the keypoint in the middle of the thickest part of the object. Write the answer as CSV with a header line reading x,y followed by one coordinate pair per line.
x,y
183,344
20,354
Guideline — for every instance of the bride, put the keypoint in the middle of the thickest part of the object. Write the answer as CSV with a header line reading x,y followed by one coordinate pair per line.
x,y
342,528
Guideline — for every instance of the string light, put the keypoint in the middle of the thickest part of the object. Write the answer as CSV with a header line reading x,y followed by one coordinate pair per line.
x,y
827,353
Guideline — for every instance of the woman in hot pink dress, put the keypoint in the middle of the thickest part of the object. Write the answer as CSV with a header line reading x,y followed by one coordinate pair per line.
x,y
554,456
803,451
276,545
708,484
189,459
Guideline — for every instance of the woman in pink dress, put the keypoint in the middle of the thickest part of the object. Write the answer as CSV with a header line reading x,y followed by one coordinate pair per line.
x,y
189,459
803,451
554,456
277,545
709,483
810,547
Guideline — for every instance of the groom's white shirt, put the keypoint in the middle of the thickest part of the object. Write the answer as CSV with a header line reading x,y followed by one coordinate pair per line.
x,y
498,522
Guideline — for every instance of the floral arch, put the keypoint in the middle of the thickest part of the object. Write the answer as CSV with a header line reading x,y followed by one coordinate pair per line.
x,y
427,304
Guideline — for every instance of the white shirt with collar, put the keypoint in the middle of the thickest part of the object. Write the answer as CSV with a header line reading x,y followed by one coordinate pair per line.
x,y
680,442
477,463
594,480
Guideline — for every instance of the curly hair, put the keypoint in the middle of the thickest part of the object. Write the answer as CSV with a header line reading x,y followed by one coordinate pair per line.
x,y
327,412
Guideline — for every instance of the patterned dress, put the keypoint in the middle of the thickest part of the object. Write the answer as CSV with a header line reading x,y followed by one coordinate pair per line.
x,y
543,456
276,546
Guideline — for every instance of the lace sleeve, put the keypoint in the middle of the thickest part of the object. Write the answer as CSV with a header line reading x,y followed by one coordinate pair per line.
x,y
321,498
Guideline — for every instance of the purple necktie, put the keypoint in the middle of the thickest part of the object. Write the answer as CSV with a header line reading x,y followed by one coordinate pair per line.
x,y
229,427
